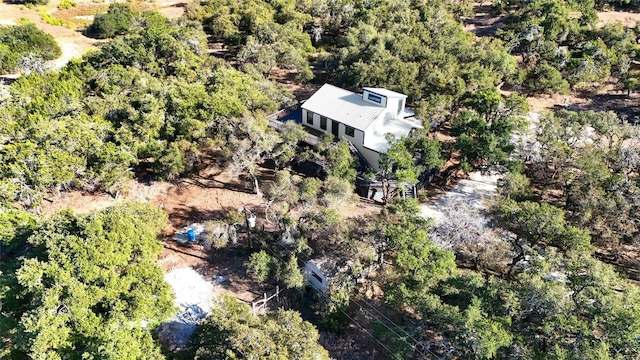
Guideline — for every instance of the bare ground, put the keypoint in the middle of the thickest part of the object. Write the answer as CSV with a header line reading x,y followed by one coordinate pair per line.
x,y
208,195
605,97
627,19
72,42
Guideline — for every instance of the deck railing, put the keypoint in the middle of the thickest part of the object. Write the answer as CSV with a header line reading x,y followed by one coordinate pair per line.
x,y
274,122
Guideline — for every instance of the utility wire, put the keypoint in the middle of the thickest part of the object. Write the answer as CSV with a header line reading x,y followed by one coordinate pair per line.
x,y
334,303
413,346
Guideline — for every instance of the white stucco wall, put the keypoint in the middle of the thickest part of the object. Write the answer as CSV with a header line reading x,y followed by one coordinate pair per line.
x,y
357,140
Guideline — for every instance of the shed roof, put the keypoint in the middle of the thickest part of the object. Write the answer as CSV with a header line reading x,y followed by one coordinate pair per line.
x,y
385,92
343,106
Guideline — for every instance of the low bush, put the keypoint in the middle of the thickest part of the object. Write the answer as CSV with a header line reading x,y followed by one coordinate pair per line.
x,y
22,40
116,21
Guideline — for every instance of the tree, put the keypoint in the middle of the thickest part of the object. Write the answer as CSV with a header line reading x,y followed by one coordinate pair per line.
x,y
539,225
419,49
426,150
545,78
232,332
588,157
290,274
261,265
340,162
116,21
485,126
397,163
267,34
254,142
22,43
287,147
95,286
418,260
282,190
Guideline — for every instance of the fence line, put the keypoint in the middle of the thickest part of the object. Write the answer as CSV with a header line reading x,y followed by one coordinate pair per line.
x,y
262,303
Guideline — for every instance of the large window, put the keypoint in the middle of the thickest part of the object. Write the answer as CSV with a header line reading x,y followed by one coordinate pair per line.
x,y
323,123
317,277
349,131
309,117
375,98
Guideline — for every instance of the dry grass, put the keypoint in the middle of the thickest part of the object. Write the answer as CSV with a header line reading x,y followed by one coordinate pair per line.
x,y
80,10
77,14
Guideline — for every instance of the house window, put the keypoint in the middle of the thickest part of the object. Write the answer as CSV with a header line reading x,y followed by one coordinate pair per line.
x,y
400,103
316,276
323,123
309,117
375,98
349,131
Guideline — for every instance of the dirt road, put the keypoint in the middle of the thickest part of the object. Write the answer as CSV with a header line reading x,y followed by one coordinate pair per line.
x,y
72,42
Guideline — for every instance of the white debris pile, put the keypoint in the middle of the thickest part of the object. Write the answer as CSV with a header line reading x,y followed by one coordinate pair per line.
x,y
85,17
194,299
473,191
461,225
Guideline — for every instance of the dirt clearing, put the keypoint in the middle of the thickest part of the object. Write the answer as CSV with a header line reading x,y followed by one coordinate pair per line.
x,y
627,19
205,196
194,300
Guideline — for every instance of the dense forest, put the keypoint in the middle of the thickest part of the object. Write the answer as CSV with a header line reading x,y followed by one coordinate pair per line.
x,y
153,102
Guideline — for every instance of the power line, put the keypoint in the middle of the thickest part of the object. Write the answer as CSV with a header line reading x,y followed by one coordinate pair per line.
x,y
413,346
334,303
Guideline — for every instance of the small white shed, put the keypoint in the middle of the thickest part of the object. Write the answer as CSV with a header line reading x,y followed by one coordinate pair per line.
x,y
317,271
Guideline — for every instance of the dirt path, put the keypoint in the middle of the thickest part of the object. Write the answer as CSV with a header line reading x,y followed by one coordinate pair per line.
x,y
72,42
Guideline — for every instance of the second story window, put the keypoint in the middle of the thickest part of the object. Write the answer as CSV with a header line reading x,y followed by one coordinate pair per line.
x,y
374,98
309,117
349,131
323,123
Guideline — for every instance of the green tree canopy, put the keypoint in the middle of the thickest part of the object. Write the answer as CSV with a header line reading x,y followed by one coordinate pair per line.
x,y
94,285
232,332
116,21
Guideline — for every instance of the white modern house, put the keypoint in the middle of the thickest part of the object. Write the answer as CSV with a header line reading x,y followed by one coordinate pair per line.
x,y
363,119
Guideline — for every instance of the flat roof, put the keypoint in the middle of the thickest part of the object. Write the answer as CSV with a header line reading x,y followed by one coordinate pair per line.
x,y
343,106
375,137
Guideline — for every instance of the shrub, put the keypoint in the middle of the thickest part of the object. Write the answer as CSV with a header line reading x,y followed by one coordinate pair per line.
x,y
22,40
546,78
66,4
116,21
49,19
8,59
28,2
